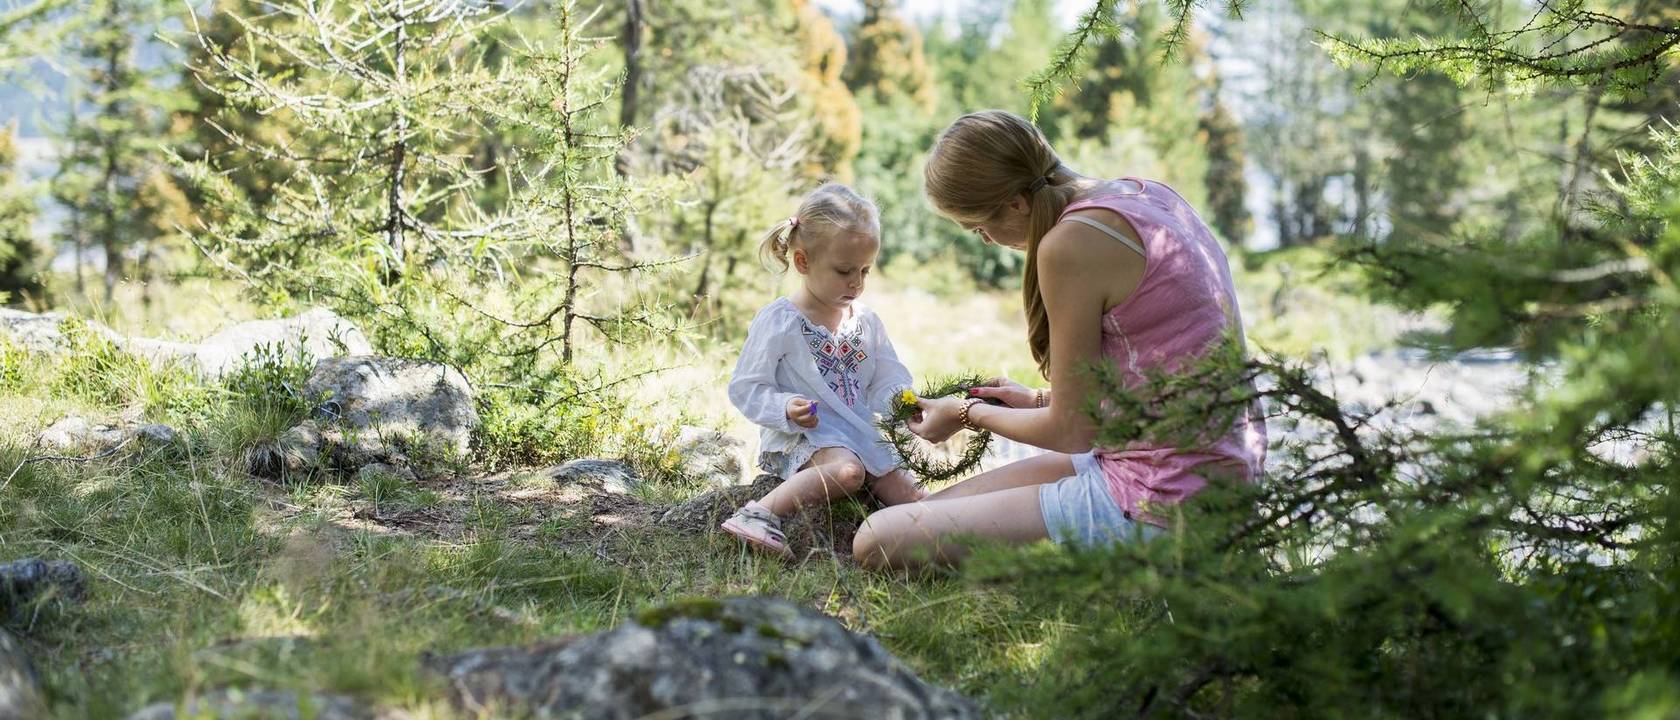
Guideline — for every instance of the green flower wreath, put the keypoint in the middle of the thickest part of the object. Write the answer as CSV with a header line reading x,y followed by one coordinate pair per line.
x,y
896,431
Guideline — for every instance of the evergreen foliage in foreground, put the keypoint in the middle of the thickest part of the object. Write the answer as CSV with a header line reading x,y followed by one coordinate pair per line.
x,y
1522,567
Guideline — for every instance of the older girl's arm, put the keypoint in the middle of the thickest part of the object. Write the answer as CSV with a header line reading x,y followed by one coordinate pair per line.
x,y
1081,273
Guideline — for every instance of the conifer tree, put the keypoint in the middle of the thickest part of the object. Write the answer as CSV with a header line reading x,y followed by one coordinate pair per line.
x,y
377,211
120,115
822,60
20,254
887,58
1226,186
1520,566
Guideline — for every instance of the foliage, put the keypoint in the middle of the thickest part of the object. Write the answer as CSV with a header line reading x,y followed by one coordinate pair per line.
x,y
378,210
895,431
886,58
1227,198
1572,42
1513,567
20,255
113,180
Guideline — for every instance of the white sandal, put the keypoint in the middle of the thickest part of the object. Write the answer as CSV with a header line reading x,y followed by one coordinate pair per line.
x,y
758,527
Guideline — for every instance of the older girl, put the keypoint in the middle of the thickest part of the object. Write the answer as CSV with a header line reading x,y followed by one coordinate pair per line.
x,y
1118,270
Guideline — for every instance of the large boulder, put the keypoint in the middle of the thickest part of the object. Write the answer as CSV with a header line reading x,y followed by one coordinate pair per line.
x,y
20,695
239,704
709,455
377,410
746,658
315,334
45,332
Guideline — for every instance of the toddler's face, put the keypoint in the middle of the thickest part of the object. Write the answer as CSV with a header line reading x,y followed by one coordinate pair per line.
x,y
835,275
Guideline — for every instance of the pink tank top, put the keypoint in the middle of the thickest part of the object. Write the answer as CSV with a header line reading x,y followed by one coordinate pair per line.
x,y
1184,305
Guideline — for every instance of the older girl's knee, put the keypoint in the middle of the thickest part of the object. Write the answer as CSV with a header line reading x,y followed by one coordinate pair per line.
x,y
866,545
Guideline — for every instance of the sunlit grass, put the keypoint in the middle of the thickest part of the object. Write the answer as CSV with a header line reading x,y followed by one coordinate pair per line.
x,y
202,576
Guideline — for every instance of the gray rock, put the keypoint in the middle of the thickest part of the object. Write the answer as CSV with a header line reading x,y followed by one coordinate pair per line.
x,y
613,476
20,695
31,580
316,334
372,471
746,657
156,434
378,404
704,512
259,705
77,434
709,455
43,333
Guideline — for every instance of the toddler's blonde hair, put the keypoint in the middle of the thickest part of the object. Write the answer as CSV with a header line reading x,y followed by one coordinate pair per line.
x,y
826,212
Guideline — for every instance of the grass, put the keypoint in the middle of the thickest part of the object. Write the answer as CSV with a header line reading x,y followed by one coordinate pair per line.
x,y
202,576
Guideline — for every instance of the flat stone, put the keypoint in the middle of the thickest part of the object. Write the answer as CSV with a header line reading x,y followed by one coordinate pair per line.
x,y
614,476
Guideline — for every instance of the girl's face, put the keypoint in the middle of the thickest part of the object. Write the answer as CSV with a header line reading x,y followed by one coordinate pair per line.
x,y
835,275
1006,227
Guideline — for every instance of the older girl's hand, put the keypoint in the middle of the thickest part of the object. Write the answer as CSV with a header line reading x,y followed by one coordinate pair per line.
x,y
1011,393
940,418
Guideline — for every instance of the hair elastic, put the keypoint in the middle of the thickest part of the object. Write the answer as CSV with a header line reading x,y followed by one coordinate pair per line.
x,y
1038,182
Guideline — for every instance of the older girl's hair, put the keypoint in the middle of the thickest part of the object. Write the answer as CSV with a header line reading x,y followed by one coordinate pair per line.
x,y
979,163
828,211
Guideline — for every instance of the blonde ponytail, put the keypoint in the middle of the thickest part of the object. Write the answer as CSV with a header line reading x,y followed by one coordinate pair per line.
x,y
774,247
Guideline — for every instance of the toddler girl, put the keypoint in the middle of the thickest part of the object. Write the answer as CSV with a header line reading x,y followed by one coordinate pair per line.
x,y
817,368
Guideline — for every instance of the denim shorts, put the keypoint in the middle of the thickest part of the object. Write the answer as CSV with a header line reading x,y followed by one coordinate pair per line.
x,y
1079,510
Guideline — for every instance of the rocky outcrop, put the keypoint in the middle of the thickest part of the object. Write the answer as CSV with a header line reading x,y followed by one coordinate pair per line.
x,y
20,694
265,704
312,335
613,477
709,456
76,434
747,658
45,332
376,410
385,400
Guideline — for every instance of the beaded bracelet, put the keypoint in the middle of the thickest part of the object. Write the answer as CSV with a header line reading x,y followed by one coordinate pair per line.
x,y
963,414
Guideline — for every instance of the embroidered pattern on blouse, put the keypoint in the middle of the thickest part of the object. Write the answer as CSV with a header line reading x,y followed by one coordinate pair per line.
x,y
838,356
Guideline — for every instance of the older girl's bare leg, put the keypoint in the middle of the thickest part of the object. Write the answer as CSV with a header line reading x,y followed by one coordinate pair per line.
x,y
929,532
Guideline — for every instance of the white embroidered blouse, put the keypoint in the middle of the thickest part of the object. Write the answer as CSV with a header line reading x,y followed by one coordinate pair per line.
x,y
852,372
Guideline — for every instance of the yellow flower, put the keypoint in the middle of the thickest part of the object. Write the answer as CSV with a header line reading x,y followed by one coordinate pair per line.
x,y
908,398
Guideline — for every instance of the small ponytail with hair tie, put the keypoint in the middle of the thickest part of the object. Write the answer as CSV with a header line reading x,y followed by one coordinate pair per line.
x,y
776,244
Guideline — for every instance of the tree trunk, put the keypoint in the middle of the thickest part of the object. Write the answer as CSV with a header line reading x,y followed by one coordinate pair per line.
x,y
627,108
394,220
112,111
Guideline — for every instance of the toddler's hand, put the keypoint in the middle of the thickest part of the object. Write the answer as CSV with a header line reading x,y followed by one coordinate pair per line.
x,y
802,412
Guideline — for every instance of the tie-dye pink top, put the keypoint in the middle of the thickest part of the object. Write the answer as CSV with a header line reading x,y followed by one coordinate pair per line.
x,y
1184,305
